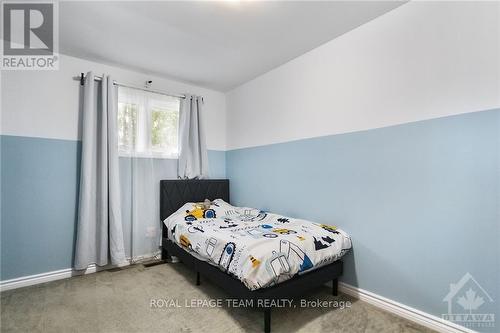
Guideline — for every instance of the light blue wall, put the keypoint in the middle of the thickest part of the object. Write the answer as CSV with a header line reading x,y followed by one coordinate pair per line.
x,y
39,191
39,202
217,163
421,201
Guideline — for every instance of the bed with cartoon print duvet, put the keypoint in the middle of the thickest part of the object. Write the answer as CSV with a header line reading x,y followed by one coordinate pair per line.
x,y
261,249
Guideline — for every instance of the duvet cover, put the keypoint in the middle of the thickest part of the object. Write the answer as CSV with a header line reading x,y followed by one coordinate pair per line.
x,y
259,248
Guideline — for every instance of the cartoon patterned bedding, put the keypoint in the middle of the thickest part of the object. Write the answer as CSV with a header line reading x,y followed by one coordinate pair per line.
x,y
259,248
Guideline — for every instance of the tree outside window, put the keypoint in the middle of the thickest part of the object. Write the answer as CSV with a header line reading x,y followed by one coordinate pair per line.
x,y
148,124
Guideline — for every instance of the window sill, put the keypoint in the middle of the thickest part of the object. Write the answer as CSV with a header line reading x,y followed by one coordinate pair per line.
x,y
148,155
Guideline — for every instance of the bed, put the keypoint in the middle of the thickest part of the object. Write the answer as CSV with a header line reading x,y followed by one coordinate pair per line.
x,y
185,227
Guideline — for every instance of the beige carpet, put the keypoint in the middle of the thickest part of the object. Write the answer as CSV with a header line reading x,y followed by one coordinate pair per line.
x,y
120,301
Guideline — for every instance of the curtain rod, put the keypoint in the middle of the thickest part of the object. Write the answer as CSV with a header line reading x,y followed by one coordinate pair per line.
x,y
81,77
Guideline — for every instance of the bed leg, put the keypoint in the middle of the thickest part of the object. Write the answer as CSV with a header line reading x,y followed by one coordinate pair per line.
x,y
165,256
335,287
198,278
267,320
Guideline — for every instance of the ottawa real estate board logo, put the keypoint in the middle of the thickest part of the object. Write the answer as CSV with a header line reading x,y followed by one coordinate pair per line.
x,y
470,305
30,39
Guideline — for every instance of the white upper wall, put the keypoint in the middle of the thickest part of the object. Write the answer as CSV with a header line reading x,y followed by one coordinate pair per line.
x,y
422,60
46,103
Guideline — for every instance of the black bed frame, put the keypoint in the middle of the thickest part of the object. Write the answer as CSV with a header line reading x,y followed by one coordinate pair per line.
x,y
175,193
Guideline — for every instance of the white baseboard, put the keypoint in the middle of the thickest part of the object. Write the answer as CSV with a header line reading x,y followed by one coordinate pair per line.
x,y
417,316
30,280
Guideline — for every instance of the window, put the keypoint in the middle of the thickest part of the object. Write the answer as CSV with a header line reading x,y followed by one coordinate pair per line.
x,y
148,124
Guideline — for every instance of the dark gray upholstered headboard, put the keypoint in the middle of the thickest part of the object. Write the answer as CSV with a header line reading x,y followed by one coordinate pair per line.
x,y
175,193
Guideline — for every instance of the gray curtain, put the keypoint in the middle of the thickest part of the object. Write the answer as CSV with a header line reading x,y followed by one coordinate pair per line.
x,y
99,236
193,157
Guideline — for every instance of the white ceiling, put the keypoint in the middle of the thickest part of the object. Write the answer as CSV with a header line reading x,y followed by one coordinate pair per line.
x,y
218,45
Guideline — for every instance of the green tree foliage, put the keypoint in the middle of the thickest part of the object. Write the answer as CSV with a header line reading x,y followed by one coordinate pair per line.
x,y
164,125
127,126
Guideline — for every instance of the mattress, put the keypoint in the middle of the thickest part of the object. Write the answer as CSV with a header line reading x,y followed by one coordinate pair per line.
x,y
259,248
